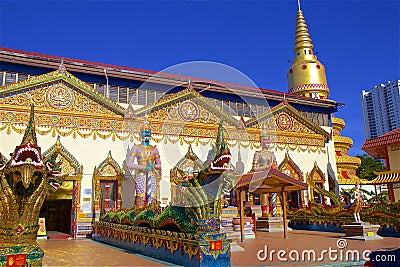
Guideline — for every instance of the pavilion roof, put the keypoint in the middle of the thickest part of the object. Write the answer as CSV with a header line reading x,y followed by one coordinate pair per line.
x,y
268,181
386,177
376,146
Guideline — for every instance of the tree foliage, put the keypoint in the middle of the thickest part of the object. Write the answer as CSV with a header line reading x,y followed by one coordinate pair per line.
x,y
368,167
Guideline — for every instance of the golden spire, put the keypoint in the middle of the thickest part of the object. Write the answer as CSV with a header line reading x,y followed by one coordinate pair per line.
x,y
306,76
30,132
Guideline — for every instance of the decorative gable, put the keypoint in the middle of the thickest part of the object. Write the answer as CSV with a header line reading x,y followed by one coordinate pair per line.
x,y
109,167
290,127
58,92
64,105
187,106
69,163
316,175
290,168
188,117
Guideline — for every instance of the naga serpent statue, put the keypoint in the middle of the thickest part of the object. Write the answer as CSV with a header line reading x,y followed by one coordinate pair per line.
x,y
199,204
205,191
25,181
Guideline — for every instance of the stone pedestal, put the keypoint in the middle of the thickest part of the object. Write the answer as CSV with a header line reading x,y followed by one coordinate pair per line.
x,y
361,230
227,228
248,227
256,209
270,224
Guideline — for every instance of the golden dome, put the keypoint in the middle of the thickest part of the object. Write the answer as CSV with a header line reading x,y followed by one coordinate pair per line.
x,y
306,76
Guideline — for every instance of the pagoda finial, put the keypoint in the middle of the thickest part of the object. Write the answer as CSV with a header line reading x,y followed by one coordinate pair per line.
x,y
302,37
306,76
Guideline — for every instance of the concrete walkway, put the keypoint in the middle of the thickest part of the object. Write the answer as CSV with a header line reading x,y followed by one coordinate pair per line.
x,y
343,251
85,252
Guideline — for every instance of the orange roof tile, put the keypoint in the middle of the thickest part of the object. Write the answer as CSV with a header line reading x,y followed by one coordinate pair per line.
x,y
374,146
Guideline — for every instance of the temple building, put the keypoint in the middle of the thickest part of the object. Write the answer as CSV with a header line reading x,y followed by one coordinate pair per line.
x,y
92,115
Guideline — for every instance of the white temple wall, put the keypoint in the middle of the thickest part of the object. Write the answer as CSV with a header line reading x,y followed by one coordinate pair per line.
x,y
91,153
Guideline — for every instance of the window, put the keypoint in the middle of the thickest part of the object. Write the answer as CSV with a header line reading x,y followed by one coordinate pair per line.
x,y
2,73
141,97
123,95
10,77
150,97
22,77
113,90
100,88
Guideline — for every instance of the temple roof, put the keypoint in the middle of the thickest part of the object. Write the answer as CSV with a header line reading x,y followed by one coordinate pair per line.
x,y
109,166
269,181
60,75
386,177
284,106
187,94
376,146
96,68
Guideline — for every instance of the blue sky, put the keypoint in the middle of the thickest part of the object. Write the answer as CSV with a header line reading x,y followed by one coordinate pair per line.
x,y
357,41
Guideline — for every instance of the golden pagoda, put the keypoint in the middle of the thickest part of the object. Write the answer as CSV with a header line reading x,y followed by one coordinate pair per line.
x,y
346,165
306,76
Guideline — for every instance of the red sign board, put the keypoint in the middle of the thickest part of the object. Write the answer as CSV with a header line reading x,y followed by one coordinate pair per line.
x,y
216,245
18,260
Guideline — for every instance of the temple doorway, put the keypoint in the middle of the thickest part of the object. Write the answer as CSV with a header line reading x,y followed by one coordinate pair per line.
x,y
294,199
57,209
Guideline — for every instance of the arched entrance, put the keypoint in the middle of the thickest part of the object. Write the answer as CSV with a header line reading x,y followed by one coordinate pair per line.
x,y
316,182
295,199
61,207
106,186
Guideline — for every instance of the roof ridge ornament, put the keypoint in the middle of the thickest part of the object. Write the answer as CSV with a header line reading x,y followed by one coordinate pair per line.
x,y
189,86
61,67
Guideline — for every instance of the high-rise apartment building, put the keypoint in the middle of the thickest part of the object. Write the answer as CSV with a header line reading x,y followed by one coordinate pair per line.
x,y
381,109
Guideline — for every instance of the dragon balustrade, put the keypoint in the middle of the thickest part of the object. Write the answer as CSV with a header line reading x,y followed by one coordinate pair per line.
x,y
25,181
188,231
331,218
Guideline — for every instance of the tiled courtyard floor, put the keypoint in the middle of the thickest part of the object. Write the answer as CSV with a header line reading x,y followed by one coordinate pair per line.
x,y
84,252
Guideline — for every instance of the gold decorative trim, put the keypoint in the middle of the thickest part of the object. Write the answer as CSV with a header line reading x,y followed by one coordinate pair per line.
x,y
342,141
